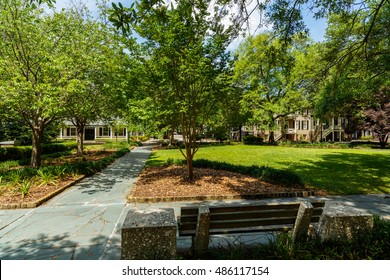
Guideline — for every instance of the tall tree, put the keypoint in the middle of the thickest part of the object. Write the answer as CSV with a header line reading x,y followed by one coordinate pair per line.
x,y
96,61
186,44
378,116
356,52
32,67
265,71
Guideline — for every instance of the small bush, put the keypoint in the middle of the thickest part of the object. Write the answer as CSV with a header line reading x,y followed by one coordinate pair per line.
x,y
318,145
58,147
14,153
253,140
24,152
139,138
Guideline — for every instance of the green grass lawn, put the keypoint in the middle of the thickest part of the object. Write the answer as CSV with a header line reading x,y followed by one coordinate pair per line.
x,y
338,171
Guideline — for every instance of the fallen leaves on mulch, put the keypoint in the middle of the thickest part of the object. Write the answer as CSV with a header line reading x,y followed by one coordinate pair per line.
x,y
169,181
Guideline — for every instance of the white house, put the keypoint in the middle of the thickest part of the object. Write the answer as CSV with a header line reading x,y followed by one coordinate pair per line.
x,y
93,131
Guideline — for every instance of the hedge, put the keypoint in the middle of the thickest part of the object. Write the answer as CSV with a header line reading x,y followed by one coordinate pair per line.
x,y
253,140
24,152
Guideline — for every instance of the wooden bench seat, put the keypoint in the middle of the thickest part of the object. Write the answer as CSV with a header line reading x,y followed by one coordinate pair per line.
x,y
200,222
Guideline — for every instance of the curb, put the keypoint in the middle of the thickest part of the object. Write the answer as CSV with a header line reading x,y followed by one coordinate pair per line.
x,y
133,199
34,204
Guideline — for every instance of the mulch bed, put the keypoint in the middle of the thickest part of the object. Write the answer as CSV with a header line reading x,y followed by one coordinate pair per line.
x,y
168,183
10,197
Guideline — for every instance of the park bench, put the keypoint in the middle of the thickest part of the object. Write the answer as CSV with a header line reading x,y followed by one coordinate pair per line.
x,y
201,222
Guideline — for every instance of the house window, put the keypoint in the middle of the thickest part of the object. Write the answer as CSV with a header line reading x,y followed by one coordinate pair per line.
x,y
121,132
304,125
71,131
104,131
291,124
298,125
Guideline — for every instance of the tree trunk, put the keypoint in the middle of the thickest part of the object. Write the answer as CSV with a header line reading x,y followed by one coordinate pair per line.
x,y
190,167
80,140
383,141
271,138
36,147
171,137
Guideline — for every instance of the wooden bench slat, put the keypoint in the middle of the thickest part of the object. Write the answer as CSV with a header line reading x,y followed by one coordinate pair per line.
x,y
253,208
192,225
187,226
192,218
216,209
239,230
251,223
252,214
251,229
241,215
247,218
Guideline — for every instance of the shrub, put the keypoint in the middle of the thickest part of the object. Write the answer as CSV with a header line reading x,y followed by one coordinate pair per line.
x,y
58,147
319,145
24,152
139,138
14,153
367,138
24,188
253,140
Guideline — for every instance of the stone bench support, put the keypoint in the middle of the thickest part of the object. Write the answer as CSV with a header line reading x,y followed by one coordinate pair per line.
x,y
303,220
201,239
149,234
340,222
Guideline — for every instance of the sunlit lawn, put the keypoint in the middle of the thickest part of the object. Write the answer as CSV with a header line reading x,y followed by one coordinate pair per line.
x,y
338,171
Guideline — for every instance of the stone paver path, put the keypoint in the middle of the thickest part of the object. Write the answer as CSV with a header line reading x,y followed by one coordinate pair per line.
x,y
83,222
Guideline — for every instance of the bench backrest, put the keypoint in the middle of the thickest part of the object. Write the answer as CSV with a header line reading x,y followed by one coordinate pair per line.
x,y
248,218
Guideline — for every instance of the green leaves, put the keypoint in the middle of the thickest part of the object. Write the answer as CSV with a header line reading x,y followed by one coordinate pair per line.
x,y
266,73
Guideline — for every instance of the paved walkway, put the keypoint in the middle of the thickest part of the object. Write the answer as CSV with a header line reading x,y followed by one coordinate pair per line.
x,y
84,221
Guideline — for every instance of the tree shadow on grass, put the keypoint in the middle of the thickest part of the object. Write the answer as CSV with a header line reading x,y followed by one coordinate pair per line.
x,y
58,247
346,173
154,160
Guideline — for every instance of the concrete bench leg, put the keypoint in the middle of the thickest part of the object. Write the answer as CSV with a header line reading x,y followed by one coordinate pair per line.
x,y
302,221
201,239
340,222
149,234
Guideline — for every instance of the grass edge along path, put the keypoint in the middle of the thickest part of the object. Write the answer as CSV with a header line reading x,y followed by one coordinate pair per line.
x,y
337,171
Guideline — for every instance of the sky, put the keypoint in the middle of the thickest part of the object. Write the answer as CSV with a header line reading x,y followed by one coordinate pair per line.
x,y
316,27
